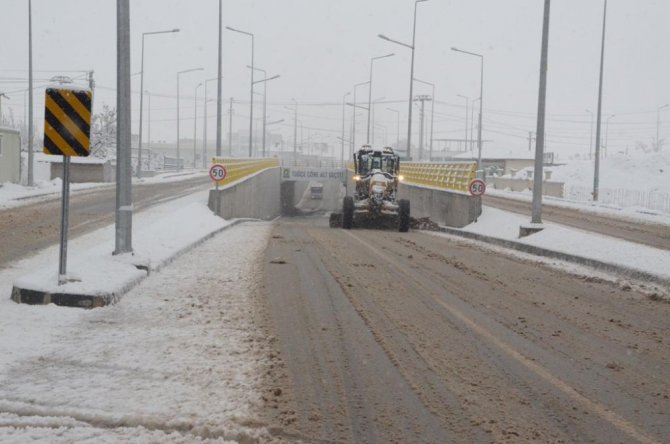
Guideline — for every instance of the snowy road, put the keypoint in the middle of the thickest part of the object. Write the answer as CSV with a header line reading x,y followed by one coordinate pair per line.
x,y
654,235
30,228
418,337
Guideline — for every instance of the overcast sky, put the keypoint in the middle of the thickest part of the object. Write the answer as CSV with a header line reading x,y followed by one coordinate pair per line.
x,y
321,48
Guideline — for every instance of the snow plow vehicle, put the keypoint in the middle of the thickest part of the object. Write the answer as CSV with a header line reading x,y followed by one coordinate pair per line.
x,y
374,204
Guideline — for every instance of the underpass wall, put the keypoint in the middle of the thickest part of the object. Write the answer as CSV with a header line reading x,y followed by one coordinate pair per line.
x,y
450,208
256,197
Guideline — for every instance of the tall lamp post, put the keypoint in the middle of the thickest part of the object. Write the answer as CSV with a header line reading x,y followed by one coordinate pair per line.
x,y
481,101
195,125
372,111
411,77
596,166
432,113
353,135
397,127
178,120
658,125
344,107
370,90
139,151
204,124
264,81
467,115
251,93
30,87
265,103
591,136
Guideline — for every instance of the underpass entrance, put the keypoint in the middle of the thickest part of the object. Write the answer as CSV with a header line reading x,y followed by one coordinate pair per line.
x,y
311,189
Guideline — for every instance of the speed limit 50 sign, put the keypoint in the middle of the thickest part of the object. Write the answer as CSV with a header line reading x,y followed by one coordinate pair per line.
x,y
217,172
477,187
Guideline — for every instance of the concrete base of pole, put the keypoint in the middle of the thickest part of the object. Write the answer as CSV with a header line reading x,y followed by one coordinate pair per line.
x,y
527,230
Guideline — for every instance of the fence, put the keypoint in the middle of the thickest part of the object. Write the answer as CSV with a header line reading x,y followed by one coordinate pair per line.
x,y
451,175
238,168
651,200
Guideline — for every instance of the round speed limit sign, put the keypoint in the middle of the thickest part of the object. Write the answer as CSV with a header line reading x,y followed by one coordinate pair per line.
x,y
477,187
217,172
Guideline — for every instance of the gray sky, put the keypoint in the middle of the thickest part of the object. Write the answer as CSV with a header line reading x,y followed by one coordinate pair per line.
x,y
321,48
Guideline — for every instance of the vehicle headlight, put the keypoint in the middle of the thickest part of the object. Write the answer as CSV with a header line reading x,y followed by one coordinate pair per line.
x,y
357,177
401,178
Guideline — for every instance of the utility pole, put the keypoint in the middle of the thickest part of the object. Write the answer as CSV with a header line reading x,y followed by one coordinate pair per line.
x,y
124,203
31,130
195,126
422,99
295,131
218,91
541,107
230,129
596,172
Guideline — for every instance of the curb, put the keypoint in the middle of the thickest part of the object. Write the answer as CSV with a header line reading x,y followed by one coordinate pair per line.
x,y
631,273
37,297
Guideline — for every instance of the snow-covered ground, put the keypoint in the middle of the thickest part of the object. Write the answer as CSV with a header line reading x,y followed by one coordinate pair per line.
x,y
178,359
505,225
636,183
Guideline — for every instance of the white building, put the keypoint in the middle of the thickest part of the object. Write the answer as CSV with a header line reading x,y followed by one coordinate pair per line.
x,y
10,155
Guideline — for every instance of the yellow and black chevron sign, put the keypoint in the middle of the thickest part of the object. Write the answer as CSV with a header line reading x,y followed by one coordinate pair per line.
x,y
67,122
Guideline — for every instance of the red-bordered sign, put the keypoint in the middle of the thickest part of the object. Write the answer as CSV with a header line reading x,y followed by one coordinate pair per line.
x,y
217,172
477,187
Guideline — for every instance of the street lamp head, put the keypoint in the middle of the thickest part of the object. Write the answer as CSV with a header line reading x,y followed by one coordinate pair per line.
x,y
383,37
664,106
175,30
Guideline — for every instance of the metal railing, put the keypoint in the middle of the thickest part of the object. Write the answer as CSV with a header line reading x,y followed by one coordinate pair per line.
x,y
237,169
450,176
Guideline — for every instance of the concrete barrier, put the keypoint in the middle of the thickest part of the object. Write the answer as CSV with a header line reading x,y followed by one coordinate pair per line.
x,y
549,188
256,197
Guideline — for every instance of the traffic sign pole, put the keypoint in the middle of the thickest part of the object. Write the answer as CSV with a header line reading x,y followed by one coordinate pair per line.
x,y
64,219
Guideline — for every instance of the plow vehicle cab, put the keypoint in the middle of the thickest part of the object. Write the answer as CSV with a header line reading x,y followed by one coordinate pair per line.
x,y
374,201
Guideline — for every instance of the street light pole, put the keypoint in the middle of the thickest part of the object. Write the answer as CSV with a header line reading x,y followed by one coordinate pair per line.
x,y
536,217
370,90
658,125
251,92
195,125
178,120
467,114
139,151
219,103
371,110
591,136
204,124
31,130
264,81
397,127
344,107
124,202
596,172
411,77
432,113
481,101
353,136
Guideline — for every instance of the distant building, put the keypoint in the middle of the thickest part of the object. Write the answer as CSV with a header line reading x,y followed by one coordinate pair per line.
x,y
10,155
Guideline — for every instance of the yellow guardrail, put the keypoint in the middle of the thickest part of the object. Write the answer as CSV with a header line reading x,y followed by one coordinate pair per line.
x,y
237,169
451,176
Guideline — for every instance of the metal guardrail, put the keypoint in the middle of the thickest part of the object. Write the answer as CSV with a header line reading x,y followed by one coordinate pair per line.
x,y
237,169
450,176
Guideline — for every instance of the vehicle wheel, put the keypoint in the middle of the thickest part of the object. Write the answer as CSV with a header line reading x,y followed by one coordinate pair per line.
x,y
403,215
348,212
